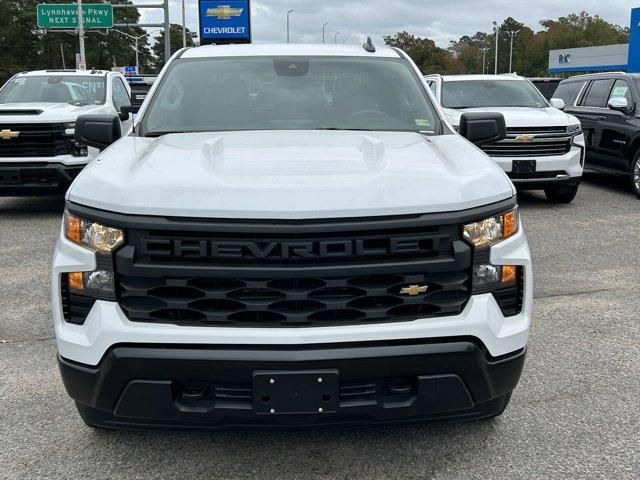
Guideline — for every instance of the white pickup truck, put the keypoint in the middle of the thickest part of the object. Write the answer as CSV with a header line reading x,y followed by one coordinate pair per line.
x,y
291,235
38,112
544,148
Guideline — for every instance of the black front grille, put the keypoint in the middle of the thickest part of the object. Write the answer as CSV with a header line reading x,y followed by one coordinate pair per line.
x,y
288,274
34,140
531,142
317,301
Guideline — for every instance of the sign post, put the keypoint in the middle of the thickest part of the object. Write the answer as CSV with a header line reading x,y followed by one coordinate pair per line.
x,y
225,22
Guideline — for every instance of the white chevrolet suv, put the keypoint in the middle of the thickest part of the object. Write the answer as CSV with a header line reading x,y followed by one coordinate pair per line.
x,y
38,111
290,235
544,148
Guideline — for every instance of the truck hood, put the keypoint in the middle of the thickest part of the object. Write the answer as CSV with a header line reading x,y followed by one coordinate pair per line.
x,y
290,175
42,112
519,116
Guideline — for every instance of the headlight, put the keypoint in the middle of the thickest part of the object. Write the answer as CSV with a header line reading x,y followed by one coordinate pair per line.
x,y
492,230
93,235
574,130
69,128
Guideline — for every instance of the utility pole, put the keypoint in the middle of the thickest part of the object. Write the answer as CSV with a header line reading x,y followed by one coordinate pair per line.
x,y
83,59
496,29
335,37
64,65
167,33
324,25
184,26
484,59
512,33
288,13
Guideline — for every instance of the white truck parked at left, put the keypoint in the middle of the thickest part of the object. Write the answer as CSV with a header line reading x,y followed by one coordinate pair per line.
x,y
38,111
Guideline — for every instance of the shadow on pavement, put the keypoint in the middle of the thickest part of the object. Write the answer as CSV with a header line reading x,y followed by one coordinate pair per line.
x,y
21,206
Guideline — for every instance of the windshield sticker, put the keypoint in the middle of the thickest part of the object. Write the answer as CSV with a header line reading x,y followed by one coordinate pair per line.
x,y
423,122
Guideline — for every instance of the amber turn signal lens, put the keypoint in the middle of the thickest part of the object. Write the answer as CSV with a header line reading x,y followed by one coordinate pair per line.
x,y
73,228
510,223
508,273
76,280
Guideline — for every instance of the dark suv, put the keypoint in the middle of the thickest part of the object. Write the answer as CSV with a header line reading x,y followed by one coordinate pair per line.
x,y
607,106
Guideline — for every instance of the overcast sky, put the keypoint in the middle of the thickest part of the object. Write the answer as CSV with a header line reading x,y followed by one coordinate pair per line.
x,y
440,20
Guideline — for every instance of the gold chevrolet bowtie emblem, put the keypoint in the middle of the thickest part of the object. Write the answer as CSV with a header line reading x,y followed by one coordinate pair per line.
x,y
414,290
525,138
8,134
224,12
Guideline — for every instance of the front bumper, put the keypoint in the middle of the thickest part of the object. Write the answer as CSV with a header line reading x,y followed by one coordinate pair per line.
x,y
153,386
36,178
552,170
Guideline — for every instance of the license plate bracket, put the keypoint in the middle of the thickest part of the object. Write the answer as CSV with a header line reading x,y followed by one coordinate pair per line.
x,y
524,166
10,176
296,392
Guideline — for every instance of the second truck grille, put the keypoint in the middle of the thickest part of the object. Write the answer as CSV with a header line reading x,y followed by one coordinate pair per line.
x,y
35,140
522,142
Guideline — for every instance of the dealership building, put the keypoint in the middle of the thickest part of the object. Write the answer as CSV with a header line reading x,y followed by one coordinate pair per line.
x,y
605,58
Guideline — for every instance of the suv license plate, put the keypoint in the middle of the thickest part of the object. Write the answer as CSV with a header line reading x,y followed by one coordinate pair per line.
x,y
10,176
291,392
523,166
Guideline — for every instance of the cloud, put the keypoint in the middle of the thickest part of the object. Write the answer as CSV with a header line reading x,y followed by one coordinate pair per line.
x,y
439,20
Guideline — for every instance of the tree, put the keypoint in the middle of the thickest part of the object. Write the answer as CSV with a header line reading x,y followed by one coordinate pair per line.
x,y
175,42
428,56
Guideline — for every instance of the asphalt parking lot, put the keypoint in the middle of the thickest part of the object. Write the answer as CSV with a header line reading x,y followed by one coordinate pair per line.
x,y
574,415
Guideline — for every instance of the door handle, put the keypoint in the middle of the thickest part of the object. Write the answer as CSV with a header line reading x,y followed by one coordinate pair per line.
x,y
601,117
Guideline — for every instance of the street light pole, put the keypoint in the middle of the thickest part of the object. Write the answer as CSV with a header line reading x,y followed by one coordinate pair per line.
x,y
83,60
512,33
184,26
335,37
136,39
324,25
496,29
288,37
484,59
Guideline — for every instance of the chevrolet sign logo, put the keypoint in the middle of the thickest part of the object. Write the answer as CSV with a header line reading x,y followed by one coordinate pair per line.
x,y
414,290
224,12
525,138
8,134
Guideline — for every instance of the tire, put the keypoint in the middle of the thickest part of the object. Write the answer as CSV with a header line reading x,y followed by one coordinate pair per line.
x,y
561,194
635,174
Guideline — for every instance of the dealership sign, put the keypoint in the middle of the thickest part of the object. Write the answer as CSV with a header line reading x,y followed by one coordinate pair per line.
x,y
225,21
65,15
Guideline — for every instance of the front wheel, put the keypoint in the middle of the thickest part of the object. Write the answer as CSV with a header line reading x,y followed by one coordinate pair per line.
x,y
561,194
635,174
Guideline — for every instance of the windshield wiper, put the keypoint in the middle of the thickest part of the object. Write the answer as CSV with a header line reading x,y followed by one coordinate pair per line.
x,y
345,129
161,133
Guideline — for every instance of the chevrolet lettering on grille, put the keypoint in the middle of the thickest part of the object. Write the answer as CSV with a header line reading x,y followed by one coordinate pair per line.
x,y
290,250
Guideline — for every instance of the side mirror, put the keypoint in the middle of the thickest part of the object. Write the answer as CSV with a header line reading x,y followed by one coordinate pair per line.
x,y
557,103
98,131
483,128
619,104
126,111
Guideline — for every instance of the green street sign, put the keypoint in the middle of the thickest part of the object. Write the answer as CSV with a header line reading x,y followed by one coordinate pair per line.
x,y
65,15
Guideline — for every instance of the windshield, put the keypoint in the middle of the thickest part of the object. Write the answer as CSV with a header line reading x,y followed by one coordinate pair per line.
x,y
293,93
491,93
77,90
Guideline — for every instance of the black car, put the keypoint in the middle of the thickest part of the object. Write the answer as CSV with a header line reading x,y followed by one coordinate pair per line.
x,y
608,106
